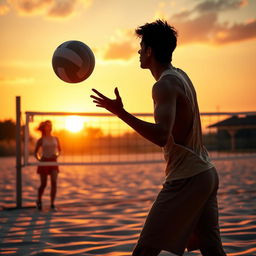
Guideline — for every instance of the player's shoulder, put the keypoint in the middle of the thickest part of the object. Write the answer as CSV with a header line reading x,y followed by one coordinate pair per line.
x,y
164,90
56,138
167,84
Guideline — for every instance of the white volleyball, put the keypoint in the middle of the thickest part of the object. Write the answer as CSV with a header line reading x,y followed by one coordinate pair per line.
x,y
73,61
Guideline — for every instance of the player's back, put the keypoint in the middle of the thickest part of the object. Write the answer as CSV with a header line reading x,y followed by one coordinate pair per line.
x,y
184,114
184,151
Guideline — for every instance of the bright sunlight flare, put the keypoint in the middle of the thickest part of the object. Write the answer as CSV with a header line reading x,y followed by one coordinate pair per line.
x,y
74,123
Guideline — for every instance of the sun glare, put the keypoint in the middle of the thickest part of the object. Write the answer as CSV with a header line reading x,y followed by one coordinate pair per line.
x,y
74,123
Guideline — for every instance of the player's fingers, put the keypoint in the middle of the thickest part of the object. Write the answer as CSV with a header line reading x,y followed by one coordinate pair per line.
x,y
100,106
117,93
96,98
97,102
99,94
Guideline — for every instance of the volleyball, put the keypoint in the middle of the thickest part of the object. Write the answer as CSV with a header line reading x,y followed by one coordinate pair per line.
x,y
73,61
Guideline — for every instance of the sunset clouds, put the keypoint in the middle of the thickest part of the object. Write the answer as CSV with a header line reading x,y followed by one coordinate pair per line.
x,y
48,8
119,50
121,46
201,24
4,8
197,25
219,5
216,47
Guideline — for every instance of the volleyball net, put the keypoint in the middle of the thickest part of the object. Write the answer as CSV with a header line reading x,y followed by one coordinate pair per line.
x,y
101,138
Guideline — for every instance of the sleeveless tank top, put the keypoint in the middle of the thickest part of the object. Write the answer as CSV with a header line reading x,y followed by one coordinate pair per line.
x,y
49,147
184,161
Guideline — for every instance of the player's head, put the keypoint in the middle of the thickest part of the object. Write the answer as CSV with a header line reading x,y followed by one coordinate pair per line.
x,y
158,37
45,127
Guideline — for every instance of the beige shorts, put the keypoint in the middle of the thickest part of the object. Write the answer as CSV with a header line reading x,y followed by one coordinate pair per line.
x,y
184,215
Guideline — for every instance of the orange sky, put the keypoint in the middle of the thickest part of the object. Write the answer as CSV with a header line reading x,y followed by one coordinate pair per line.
x,y
216,47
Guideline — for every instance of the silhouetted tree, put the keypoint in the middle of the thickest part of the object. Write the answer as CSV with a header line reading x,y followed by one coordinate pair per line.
x,y
7,130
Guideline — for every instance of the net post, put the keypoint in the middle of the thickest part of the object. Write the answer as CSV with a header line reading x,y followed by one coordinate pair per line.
x,y
26,140
18,154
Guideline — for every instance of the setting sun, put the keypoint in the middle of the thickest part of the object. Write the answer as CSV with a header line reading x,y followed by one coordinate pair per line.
x,y
74,123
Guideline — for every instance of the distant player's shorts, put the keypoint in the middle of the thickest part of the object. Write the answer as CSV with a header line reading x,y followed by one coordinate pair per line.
x,y
47,169
184,215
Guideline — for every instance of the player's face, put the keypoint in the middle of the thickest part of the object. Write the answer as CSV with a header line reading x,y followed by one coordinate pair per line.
x,y
144,55
48,127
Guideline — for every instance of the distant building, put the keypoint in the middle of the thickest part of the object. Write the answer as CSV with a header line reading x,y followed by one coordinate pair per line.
x,y
237,133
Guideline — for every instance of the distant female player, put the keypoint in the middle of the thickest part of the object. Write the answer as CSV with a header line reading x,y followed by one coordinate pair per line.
x,y
50,147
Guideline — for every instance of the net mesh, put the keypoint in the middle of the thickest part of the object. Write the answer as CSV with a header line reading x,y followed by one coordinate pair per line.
x,y
97,138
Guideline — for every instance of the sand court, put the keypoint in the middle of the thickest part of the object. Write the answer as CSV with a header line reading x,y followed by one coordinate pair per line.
x,y
101,210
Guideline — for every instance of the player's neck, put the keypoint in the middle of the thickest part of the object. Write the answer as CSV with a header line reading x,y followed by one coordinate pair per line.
x,y
157,70
47,135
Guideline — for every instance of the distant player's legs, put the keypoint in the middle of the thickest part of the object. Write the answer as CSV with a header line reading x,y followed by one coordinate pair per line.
x,y
54,175
43,181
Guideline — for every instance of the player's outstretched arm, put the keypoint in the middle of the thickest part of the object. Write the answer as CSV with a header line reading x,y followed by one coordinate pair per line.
x,y
157,133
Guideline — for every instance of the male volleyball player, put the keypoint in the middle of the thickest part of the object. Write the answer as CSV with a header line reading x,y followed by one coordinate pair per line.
x,y
185,213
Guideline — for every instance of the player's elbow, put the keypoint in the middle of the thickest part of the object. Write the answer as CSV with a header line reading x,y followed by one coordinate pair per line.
x,y
163,138
162,142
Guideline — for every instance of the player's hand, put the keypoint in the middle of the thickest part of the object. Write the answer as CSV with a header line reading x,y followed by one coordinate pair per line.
x,y
115,106
36,155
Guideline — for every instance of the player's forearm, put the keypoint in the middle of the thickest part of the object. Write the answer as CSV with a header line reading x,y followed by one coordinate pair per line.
x,y
152,132
36,155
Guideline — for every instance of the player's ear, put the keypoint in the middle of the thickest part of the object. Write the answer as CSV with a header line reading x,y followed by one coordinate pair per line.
x,y
149,51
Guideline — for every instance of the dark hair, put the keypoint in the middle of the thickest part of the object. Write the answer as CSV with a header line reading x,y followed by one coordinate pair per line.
x,y
161,37
42,125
